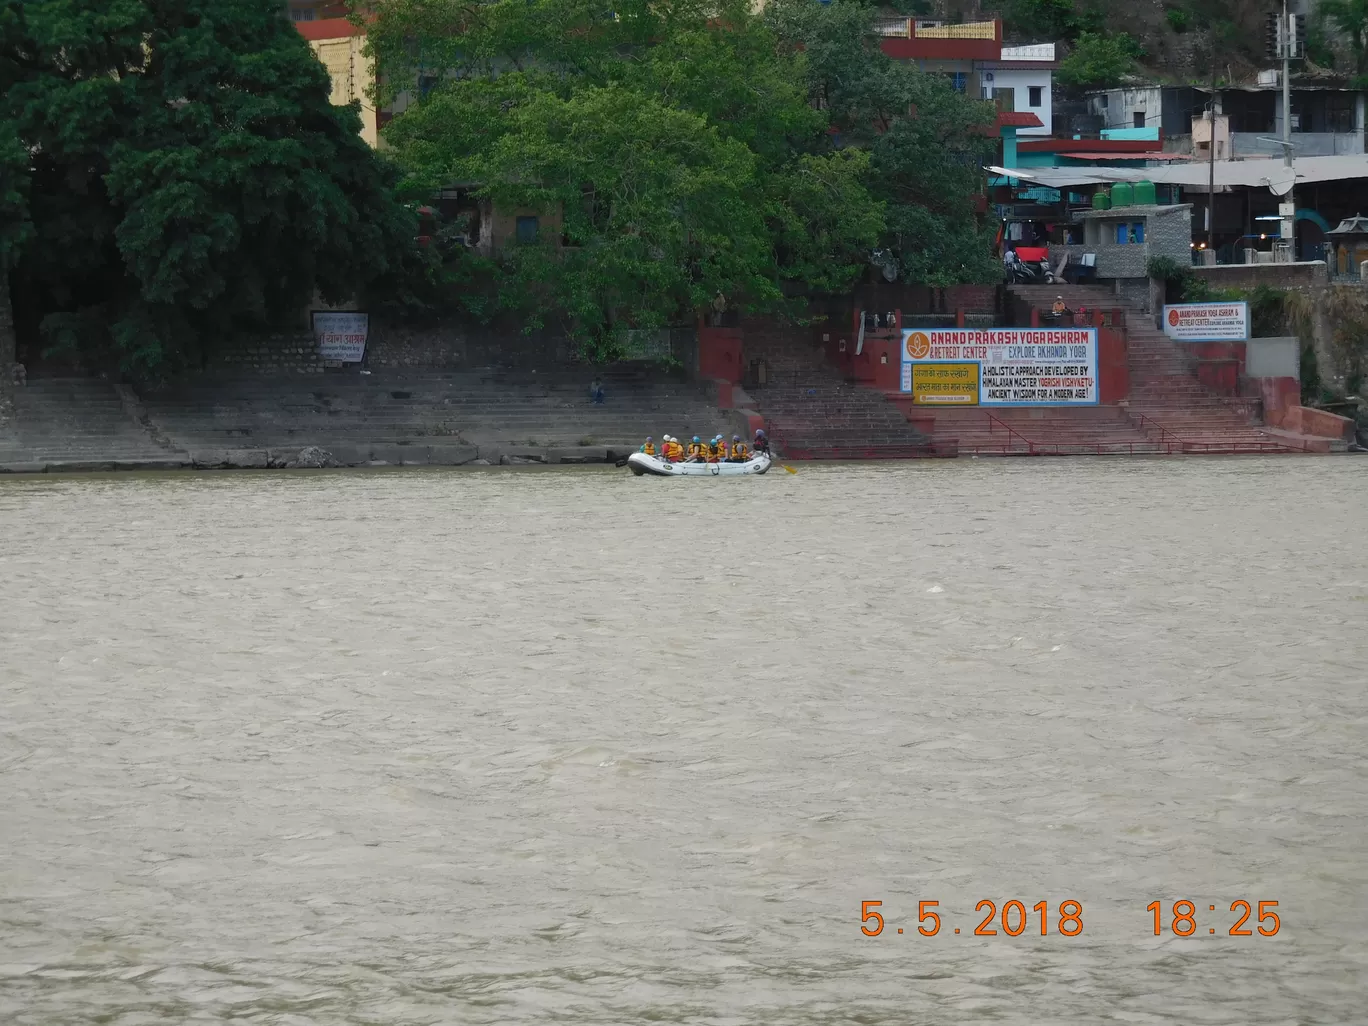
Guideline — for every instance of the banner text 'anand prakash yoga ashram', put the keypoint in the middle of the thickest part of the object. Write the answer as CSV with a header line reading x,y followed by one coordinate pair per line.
x,y
1000,366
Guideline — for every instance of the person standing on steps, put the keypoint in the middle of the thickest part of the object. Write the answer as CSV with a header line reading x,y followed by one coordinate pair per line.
x,y
596,391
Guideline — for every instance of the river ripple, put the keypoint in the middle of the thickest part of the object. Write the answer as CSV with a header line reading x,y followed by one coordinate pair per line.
x,y
431,747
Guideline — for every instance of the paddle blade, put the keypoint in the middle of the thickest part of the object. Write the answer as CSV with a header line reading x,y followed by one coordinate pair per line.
x,y
788,468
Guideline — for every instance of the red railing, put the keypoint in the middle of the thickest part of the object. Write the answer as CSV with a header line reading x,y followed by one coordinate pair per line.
x,y
994,424
1172,443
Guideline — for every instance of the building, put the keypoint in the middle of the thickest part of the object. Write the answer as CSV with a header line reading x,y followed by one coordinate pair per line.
x,y
1023,82
1327,120
957,51
339,46
1119,243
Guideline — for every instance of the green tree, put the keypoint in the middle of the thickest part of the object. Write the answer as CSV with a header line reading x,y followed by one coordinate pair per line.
x,y
676,144
14,231
187,175
927,143
1040,20
1350,19
1099,60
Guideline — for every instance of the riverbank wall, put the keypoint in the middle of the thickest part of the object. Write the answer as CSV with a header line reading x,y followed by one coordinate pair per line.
x,y
354,417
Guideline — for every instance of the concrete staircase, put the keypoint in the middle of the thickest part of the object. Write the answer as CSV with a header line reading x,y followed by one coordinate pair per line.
x,y
1168,406
75,422
811,413
482,408
1043,431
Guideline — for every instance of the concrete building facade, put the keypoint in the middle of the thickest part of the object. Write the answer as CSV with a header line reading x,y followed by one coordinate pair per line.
x,y
1023,82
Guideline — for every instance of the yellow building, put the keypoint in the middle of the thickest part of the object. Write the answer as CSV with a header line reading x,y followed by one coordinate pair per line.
x,y
340,46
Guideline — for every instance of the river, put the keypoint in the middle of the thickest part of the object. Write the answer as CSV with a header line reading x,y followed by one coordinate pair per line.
x,y
401,748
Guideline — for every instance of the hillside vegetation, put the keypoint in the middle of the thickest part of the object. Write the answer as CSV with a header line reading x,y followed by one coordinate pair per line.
x,y
1171,40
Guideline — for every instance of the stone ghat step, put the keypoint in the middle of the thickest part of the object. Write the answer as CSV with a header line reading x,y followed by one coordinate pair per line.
x,y
231,419
424,412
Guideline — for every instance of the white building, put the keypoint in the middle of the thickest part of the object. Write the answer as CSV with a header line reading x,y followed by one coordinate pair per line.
x,y
1023,81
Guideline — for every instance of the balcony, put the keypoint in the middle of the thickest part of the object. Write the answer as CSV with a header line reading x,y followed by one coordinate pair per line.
x,y
916,39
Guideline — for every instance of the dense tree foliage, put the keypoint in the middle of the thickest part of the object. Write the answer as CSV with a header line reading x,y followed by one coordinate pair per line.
x,y
676,142
1099,60
693,148
177,170
926,168
1350,19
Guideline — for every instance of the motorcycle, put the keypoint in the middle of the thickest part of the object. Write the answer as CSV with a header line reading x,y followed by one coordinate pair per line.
x,y
1022,272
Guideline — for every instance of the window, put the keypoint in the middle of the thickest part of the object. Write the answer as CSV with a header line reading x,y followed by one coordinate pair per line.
x,y
1102,101
302,13
527,229
1122,234
1035,98
1138,119
1005,99
958,81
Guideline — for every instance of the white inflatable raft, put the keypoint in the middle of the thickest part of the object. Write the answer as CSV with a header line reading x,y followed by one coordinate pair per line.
x,y
640,463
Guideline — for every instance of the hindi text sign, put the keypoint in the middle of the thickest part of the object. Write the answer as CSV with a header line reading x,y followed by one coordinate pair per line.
x,y
341,335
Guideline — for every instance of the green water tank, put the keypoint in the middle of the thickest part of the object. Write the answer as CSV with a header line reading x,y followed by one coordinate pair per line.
x,y
1123,194
1145,195
1101,201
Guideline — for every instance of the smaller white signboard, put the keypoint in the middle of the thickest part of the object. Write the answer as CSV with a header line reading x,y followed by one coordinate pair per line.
x,y
1207,322
341,335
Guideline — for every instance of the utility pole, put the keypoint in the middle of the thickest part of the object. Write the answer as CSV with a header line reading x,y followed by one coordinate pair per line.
x,y
1290,42
1211,161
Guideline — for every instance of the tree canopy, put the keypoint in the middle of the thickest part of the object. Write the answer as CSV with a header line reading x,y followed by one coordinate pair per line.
x,y
171,169
692,149
1099,60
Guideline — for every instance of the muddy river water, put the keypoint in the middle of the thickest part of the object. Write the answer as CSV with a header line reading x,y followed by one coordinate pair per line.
x,y
400,748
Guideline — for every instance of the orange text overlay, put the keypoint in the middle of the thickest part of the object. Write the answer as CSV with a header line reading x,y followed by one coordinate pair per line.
x,y
1014,919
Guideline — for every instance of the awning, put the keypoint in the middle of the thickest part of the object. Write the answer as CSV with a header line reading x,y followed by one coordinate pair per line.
x,y
1271,174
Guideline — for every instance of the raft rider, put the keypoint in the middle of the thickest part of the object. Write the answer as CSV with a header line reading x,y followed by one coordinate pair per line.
x,y
717,450
740,452
698,452
649,447
761,441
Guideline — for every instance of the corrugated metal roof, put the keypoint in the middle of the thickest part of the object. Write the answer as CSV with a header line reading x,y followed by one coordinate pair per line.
x,y
1272,174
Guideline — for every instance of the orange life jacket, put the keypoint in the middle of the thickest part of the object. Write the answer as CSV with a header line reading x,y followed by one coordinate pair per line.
x,y
740,451
648,449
